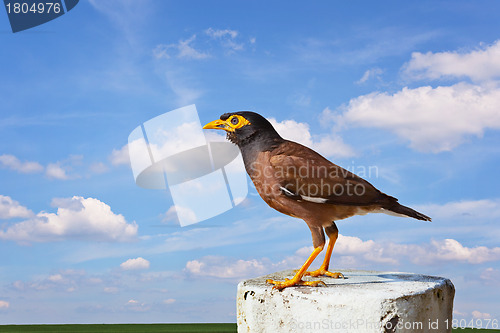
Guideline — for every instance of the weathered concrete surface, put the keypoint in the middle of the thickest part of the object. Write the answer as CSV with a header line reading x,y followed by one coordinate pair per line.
x,y
366,301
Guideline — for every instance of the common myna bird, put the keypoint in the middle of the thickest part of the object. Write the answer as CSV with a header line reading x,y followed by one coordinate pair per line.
x,y
299,182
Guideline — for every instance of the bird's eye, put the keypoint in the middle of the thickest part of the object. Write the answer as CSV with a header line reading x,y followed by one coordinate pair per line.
x,y
234,120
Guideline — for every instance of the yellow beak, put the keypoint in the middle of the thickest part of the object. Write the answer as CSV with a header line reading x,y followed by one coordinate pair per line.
x,y
218,124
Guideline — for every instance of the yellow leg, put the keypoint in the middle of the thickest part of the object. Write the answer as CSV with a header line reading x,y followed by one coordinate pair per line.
x,y
323,269
297,279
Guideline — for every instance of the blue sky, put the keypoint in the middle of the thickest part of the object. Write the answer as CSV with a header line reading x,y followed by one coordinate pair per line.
x,y
411,90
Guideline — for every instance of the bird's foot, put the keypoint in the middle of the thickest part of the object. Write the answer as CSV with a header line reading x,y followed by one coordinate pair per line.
x,y
324,272
280,285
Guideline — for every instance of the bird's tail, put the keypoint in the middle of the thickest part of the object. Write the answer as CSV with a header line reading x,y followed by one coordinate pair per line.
x,y
407,211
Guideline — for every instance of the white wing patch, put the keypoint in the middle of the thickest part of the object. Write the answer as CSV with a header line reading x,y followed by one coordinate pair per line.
x,y
312,199
289,193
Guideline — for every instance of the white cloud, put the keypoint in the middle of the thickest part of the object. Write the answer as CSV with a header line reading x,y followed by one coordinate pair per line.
x,y
98,168
11,209
67,203
229,268
161,51
55,278
120,156
58,170
373,73
221,267
473,209
179,213
293,130
333,145
479,65
328,145
432,119
183,48
219,33
136,306
4,304
353,245
458,313
187,51
238,232
349,252
66,281
368,250
110,290
490,275
227,38
480,315
170,215
169,301
93,221
135,264
452,250
55,171
437,251
13,163
167,141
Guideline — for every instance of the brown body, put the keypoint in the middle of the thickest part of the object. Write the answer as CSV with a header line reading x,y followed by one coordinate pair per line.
x,y
305,172
299,182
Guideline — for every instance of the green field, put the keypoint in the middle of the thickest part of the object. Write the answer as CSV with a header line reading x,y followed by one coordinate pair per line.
x,y
120,328
146,328
471,330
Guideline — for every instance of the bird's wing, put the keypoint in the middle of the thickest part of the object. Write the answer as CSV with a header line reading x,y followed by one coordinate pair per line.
x,y
304,174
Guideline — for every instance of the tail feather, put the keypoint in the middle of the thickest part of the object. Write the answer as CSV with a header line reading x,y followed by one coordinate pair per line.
x,y
407,211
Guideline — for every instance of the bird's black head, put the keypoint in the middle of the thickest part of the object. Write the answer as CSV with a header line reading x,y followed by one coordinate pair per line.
x,y
246,128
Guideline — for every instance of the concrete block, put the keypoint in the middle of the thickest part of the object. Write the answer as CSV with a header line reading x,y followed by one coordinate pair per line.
x,y
366,301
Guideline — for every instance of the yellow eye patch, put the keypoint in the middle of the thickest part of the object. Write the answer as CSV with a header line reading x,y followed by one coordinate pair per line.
x,y
230,124
237,121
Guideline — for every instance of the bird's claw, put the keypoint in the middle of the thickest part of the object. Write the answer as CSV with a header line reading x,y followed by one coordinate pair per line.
x,y
323,272
280,285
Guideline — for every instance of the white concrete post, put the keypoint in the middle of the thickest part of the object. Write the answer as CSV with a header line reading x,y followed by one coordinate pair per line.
x,y
366,301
